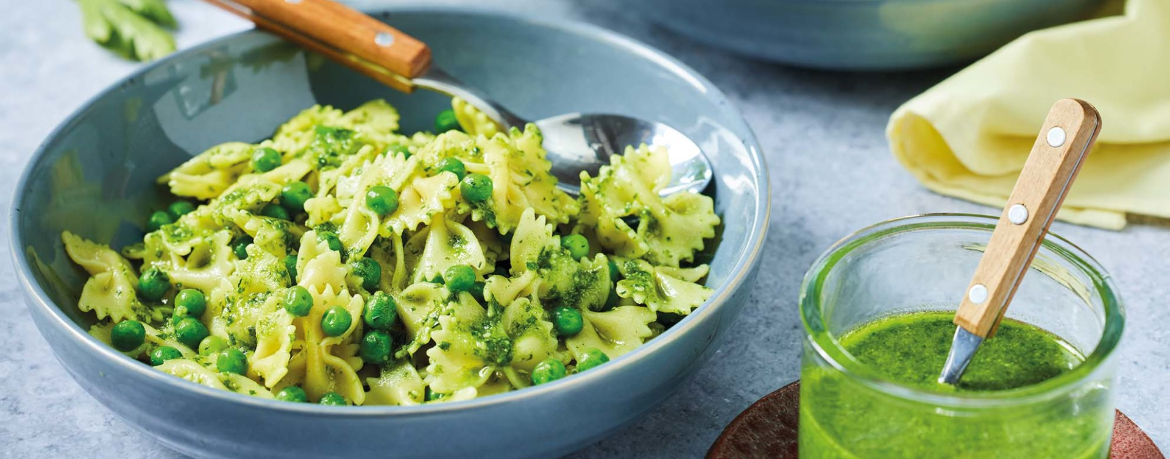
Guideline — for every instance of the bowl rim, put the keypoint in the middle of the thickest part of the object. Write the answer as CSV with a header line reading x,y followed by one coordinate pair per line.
x,y
36,298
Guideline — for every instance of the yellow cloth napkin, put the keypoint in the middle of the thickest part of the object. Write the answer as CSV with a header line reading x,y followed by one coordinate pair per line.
x,y
969,135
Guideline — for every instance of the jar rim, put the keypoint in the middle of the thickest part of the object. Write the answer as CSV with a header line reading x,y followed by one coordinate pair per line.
x,y
829,349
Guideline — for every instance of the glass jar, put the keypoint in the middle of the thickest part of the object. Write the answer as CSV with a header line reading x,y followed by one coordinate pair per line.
x,y
924,263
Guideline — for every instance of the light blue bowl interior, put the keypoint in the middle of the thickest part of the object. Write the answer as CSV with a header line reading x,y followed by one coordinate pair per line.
x,y
95,176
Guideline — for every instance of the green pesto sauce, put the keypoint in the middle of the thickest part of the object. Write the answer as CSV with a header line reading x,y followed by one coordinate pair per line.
x,y
330,145
843,418
911,349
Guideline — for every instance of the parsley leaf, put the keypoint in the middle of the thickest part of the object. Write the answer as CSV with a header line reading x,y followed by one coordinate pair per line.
x,y
131,28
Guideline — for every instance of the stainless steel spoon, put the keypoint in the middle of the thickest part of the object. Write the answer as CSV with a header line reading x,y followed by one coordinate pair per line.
x,y
575,142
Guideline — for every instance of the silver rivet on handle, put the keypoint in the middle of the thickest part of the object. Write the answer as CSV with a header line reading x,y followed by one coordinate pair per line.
x,y
1056,137
1018,214
383,39
977,294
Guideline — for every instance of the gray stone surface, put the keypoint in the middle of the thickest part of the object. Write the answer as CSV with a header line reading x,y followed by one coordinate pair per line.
x,y
823,134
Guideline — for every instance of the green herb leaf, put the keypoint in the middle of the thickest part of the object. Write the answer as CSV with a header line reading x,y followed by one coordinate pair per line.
x,y
131,28
154,10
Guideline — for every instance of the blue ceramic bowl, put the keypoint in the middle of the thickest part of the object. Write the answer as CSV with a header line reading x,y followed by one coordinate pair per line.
x,y
861,34
95,176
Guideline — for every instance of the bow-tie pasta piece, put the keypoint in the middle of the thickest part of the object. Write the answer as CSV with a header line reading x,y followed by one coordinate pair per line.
x,y
662,288
208,174
110,292
397,384
614,332
622,206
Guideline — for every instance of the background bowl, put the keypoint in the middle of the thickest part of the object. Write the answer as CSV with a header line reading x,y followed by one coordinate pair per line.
x,y
95,176
861,34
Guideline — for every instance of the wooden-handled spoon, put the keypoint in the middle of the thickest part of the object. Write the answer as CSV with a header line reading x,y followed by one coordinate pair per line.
x,y
575,141
1068,134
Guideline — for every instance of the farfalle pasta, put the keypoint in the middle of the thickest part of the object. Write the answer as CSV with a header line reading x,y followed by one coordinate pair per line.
x,y
344,263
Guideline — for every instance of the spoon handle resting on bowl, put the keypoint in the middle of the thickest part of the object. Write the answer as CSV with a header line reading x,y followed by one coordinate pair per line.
x,y
341,33
1065,139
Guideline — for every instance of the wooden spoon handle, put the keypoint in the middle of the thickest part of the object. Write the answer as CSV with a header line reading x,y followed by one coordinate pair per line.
x,y
1068,134
341,33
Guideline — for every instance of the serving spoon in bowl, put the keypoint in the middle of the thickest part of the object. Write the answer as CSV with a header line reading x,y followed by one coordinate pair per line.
x,y
575,142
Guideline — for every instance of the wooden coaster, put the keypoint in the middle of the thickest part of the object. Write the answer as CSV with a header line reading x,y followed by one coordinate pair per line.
x,y
767,429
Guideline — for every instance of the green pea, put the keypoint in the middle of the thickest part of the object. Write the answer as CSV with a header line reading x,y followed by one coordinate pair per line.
x,y
591,358
376,347
294,194
548,370
153,284
399,149
476,187
298,301
614,274
446,121
368,270
232,361
240,246
292,394
127,335
274,211
568,321
577,246
383,200
212,344
477,291
162,354
265,159
331,238
192,301
454,166
333,399
432,395
460,278
336,321
157,220
290,265
190,331
381,311
180,208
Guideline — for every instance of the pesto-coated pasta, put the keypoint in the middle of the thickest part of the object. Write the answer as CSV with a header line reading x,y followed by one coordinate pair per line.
x,y
414,269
